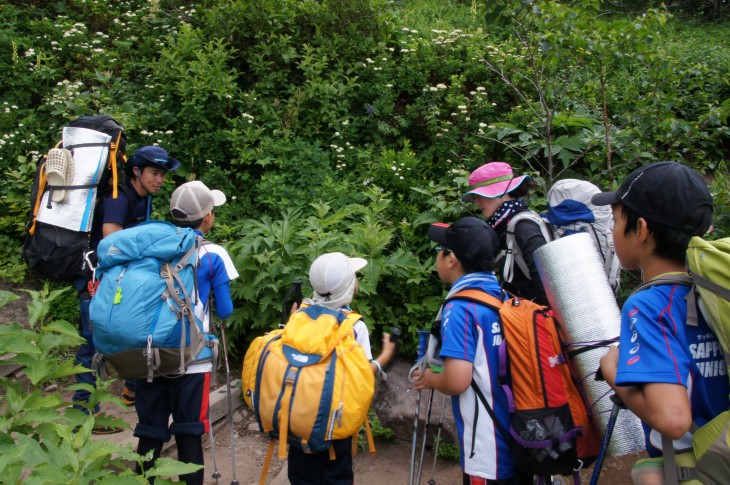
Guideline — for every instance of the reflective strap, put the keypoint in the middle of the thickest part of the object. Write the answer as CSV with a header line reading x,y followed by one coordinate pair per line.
x,y
267,462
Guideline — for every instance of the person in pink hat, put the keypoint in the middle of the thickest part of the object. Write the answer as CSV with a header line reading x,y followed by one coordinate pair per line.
x,y
500,196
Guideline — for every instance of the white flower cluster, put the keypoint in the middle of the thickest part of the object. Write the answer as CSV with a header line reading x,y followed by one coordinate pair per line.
x,y
398,169
438,87
447,38
159,135
65,92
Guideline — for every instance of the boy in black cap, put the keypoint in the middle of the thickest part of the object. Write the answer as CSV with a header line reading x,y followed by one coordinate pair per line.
x,y
146,171
465,258
656,369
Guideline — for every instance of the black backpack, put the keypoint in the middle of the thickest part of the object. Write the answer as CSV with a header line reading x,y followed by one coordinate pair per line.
x,y
54,252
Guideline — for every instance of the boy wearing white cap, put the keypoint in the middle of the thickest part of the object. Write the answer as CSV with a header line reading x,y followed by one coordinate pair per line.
x,y
186,397
334,280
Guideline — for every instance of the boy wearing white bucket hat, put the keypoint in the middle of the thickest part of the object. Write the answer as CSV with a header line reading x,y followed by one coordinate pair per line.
x,y
657,369
185,398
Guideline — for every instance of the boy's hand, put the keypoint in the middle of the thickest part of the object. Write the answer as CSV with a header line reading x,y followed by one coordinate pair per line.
x,y
609,365
388,348
420,379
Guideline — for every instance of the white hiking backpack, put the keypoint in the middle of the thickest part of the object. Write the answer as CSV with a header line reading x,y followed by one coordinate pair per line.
x,y
571,211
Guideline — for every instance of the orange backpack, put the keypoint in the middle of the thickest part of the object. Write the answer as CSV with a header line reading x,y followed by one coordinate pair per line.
x,y
551,431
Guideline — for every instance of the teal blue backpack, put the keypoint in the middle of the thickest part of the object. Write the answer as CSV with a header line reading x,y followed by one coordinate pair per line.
x,y
142,312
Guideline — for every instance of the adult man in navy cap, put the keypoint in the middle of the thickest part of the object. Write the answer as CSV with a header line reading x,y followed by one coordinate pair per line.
x,y
146,172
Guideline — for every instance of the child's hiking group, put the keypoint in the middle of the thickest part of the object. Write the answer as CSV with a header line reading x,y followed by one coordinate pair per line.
x,y
148,289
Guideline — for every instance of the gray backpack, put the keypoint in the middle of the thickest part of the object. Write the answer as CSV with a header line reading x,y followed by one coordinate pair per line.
x,y
571,211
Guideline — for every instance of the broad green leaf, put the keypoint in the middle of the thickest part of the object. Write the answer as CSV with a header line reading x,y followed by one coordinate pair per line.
x,y
6,297
169,467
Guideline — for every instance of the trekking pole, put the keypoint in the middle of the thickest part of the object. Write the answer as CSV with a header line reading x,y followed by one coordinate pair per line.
x,y
216,473
425,436
617,405
420,364
432,481
230,403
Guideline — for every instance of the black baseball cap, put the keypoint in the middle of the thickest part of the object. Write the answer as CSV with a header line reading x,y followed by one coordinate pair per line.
x,y
667,193
472,240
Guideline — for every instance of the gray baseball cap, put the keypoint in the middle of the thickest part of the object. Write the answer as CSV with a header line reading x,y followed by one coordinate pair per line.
x,y
194,200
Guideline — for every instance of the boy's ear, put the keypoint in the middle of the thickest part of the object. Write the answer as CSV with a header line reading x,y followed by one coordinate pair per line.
x,y
452,261
643,233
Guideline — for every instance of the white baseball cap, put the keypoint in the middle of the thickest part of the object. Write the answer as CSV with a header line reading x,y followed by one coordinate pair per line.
x,y
331,272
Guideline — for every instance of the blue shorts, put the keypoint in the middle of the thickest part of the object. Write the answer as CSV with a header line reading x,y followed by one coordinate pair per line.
x,y
184,398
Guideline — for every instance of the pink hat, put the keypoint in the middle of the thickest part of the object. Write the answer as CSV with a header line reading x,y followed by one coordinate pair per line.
x,y
493,180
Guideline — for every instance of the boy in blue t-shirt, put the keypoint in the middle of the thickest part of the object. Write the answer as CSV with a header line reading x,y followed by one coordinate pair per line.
x,y
471,335
185,398
665,371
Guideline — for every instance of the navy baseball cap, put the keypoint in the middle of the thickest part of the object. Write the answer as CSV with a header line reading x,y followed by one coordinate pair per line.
x,y
472,240
668,193
153,156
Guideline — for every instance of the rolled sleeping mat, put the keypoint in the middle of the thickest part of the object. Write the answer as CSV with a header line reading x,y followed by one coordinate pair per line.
x,y
571,270
77,209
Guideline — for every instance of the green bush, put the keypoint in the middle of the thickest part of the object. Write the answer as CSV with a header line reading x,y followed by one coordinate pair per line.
x,y
42,438
352,125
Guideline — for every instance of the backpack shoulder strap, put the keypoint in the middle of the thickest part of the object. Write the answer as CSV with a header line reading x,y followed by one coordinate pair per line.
x,y
513,253
677,279
667,279
477,296
707,284
351,318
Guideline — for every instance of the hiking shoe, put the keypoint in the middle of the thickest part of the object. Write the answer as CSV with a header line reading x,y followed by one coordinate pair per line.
x,y
128,397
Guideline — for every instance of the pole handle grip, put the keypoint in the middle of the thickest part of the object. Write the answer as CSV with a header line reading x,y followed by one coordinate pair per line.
x,y
422,342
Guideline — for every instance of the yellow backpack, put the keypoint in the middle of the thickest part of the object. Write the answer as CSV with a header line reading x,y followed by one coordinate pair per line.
x,y
310,382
